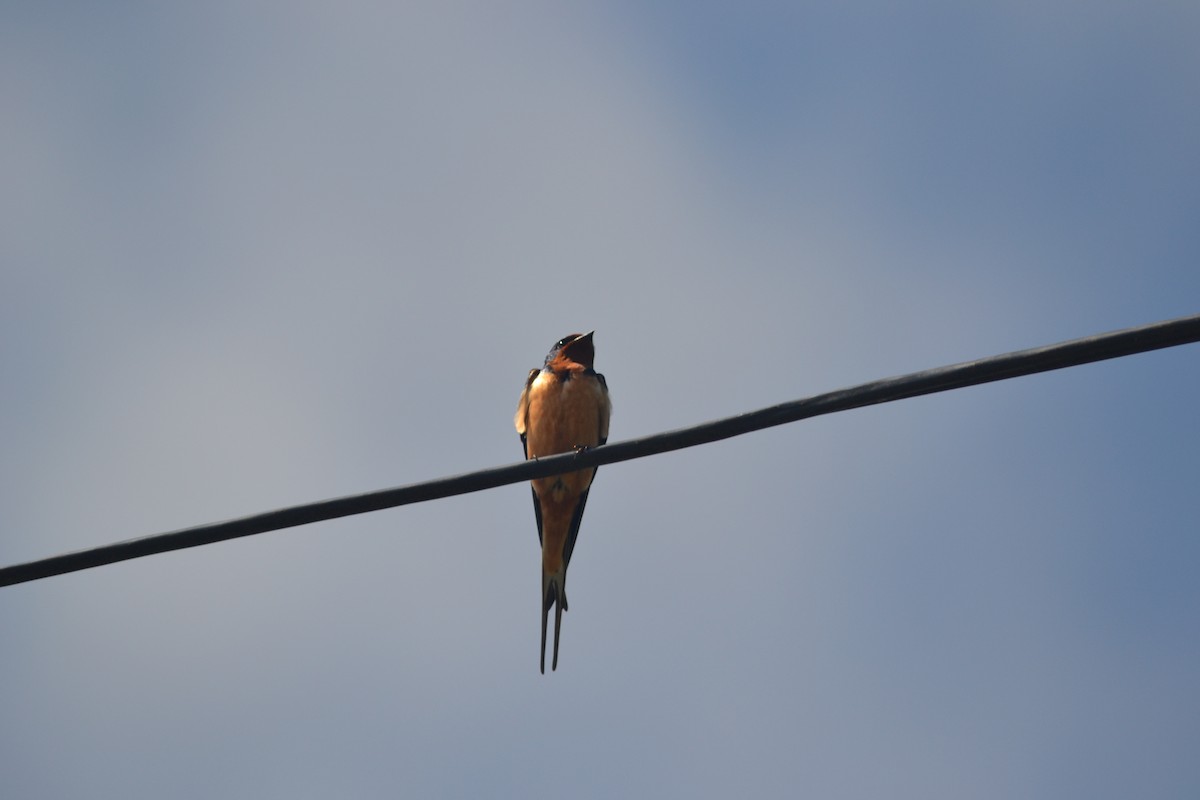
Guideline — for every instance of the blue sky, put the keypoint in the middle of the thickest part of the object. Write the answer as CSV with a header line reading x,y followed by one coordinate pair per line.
x,y
254,255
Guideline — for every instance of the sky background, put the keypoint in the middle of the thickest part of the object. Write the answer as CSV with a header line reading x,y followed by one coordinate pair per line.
x,y
259,254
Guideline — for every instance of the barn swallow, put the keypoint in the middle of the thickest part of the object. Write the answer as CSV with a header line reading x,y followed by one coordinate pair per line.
x,y
564,408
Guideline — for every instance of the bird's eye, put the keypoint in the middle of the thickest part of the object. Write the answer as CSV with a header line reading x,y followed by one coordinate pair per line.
x,y
562,342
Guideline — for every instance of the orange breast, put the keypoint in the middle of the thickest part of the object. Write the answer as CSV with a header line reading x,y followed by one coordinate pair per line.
x,y
564,415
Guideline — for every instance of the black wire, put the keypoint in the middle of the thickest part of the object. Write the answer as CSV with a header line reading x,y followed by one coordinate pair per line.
x,y
1025,362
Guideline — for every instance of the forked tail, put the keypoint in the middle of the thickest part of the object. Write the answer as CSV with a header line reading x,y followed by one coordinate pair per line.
x,y
553,594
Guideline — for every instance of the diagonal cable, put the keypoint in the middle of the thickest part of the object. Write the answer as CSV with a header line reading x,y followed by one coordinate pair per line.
x,y
1116,344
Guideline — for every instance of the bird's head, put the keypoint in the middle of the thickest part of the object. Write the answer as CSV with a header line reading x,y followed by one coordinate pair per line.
x,y
575,348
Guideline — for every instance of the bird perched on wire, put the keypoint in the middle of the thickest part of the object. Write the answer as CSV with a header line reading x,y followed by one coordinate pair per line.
x,y
564,408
